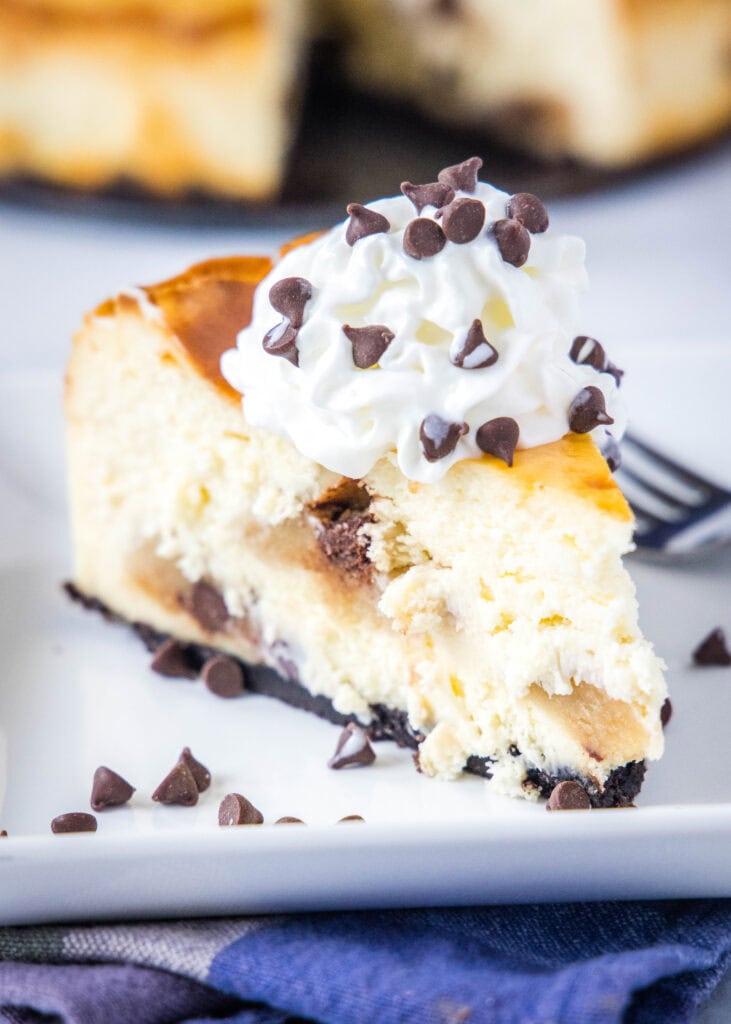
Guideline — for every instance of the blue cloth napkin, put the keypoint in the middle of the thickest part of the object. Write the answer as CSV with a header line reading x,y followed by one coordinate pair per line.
x,y
601,963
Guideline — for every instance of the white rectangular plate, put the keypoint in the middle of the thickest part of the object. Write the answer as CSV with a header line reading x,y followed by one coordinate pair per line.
x,y
76,693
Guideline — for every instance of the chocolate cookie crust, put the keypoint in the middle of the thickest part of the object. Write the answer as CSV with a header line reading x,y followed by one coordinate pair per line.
x,y
619,790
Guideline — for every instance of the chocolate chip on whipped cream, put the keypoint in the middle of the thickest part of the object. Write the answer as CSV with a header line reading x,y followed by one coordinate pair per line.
x,y
586,351
171,659
353,749
369,343
423,238
713,650
289,296
611,451
462,177
588,410
530,211
235,809
282,341
475,352
568,796
513,241
463,220
435,194
109,789
74,821
364,222
499,437
438,437
289,820
223,676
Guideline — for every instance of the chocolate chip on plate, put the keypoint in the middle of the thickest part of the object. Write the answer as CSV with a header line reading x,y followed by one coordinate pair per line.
x,y
178,787
235,809
353,748
713,650
350,817
289,297
207,607
369,343
171,659
109,789
223,676
436,194
529,210
438,437
3,834
588,410
287,820
423,238
499,437
200,773
364,222
666,712
75,821
282,341
476,352
462,177
568,796
513,241
463,220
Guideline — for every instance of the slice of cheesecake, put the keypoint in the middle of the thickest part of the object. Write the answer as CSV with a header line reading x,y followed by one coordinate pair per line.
x,y
484,618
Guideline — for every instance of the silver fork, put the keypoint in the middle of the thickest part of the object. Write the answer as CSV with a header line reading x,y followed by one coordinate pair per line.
x,y
679,513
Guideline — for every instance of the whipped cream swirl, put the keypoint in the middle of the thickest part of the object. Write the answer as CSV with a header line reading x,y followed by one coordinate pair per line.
x,y
436,369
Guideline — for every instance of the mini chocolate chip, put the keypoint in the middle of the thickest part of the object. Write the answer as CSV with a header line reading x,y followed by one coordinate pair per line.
x,y
476,352
436,194
170,659
350,817
75,821
109,789
611,452
499,437
364,222
3,834
353,749
713,650
438,437
588,410
369,343
201,775
289,297
568,796
462,220
586,351
235,809
178,787
462,177
666,712
423,238
282,341
287,820
223,676
207,607
529,210
513,241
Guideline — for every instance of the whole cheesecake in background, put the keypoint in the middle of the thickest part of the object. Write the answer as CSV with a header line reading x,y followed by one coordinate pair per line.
x,y
411,522
181,95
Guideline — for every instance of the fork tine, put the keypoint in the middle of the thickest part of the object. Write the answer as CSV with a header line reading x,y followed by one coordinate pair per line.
x,y
682,472
643,513
656,492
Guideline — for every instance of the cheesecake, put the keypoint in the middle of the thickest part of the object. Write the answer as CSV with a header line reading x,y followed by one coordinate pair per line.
x,y
376,472
190,96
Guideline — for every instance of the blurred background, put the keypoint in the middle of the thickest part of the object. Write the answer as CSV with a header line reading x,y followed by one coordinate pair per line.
x,y
138,137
